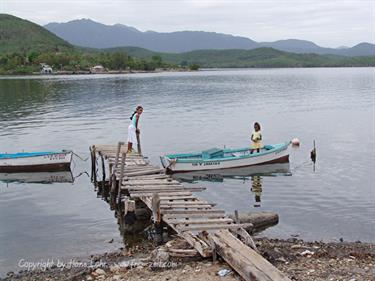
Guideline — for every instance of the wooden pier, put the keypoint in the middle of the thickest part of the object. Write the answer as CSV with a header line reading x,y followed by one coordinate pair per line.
x,y
206,228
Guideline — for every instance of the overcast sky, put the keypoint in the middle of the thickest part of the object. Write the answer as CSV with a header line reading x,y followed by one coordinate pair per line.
x,y
328,23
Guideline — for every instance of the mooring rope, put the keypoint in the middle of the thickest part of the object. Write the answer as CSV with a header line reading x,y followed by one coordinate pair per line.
x,y
80,157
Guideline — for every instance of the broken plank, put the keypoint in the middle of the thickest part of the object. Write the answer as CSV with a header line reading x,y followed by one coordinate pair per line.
x,y
248,263
197,243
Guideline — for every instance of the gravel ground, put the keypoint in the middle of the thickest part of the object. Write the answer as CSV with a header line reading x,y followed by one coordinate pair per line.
x,y
300,260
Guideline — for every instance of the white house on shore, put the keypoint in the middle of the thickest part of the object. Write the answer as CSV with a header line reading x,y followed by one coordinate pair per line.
x,y
45,69
97,69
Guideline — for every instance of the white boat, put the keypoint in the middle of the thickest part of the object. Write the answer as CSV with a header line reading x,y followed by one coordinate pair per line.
x,y
217,159
36,161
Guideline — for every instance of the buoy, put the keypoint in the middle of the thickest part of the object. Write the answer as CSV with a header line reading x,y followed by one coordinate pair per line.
x,y
295,142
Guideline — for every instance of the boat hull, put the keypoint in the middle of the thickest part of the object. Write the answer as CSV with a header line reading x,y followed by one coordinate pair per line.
x,y
277,156
39,163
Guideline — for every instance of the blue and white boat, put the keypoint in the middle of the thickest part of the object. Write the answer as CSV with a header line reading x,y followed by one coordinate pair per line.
x,y
217,158
48,161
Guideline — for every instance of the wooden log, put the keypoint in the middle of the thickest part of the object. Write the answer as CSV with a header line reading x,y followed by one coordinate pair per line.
x,y
260,220
248,263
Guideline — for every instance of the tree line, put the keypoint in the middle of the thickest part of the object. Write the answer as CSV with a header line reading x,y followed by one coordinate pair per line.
x,y
17,63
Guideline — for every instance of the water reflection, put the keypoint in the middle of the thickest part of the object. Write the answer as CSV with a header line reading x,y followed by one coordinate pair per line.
x,y
235,173
132,225
42,177
252,177
256,189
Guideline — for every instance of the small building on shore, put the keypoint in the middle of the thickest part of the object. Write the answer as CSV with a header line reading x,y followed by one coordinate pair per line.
x,y
98,69
45,69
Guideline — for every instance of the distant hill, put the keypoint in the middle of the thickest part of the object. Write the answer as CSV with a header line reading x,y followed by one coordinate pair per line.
x,y
260,57
19,35
88,33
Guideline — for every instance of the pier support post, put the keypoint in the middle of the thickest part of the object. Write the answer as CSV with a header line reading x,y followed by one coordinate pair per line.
x,y
122,171
139,144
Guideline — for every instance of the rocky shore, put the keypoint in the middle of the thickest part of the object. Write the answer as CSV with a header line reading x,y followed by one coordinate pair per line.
x,y
300,260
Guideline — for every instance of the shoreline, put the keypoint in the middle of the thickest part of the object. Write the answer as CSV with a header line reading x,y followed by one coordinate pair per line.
x,y
298,259
72,73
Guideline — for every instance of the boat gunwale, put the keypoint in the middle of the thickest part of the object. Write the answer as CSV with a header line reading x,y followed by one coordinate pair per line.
x,y
19,155
276,148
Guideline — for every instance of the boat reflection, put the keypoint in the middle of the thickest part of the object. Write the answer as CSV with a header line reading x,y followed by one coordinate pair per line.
x,y
42,177
235,173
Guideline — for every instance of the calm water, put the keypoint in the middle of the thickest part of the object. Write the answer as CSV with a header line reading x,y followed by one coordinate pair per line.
x,y
191,112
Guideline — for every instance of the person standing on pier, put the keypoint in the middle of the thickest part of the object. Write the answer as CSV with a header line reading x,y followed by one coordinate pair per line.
x,y
133,129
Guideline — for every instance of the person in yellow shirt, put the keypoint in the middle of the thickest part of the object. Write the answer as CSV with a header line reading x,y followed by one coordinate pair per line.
x,y
256,138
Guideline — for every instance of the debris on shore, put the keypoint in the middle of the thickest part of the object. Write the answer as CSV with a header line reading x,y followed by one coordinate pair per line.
x,y
300,260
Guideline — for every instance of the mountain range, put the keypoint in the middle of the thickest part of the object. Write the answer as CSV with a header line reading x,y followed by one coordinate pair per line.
x,y
88,33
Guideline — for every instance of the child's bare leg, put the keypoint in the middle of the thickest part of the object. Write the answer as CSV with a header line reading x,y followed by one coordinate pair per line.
x,y
130,146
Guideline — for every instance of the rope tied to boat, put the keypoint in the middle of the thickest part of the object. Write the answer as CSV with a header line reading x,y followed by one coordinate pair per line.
x,y
79,157
171,162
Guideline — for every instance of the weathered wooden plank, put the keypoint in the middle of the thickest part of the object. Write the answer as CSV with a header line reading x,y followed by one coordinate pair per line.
x,y
199,215
248,263
199,221
164,193
191,212
159,190
197,243
147,183
156,214
184,203
147,172
245,237
141,195
148,177
210,226
187,207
